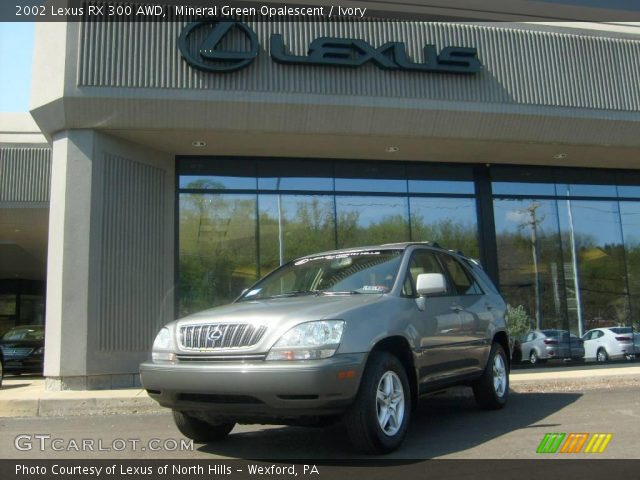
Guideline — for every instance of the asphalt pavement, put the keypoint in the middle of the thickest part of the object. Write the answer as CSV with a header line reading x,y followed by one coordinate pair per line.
x,y
445,426
25,396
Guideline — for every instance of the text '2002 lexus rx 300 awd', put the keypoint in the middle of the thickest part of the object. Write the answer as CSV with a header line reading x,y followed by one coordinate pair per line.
x,y
356,335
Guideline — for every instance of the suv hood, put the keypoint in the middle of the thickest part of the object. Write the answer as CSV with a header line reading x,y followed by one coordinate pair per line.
x,y
278,311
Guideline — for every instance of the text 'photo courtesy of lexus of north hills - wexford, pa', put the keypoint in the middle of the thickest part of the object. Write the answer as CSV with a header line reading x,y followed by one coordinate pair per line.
x,y
355,335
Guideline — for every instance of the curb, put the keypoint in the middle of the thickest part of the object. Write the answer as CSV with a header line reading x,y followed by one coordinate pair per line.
x,y
62,407
136,401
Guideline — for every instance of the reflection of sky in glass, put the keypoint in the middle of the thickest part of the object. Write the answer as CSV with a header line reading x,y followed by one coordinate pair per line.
x,y
517,188
597,221
511,215
628,190
372,210
440,186
630,213
296,183
433,210
580,190
370,185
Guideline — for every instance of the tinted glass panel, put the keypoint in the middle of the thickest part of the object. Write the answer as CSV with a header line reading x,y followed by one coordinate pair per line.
x,y
294,225
370,177
217,183
451,222
580,190
218,249
530,261
630,215
371,220
370,185
295,175
296,183
532,189
629,191
440,186
592,246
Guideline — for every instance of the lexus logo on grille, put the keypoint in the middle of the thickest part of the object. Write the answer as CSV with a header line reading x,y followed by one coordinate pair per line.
x,y
201,44
214,335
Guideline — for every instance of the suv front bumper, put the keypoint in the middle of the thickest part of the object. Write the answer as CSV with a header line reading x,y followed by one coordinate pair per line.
x,y
256,389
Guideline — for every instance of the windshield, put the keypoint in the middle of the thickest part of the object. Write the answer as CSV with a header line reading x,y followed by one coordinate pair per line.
x,y
364,271
24,333
619,330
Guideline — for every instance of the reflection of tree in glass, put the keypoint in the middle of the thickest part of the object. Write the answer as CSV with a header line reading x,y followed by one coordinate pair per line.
x,y
217,249
601,270
308,228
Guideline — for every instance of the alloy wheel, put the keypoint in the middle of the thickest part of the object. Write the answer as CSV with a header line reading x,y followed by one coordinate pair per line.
x,y
499,376
390,403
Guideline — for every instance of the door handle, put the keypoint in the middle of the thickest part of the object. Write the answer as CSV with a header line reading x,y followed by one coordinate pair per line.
x,y
488,306
456,308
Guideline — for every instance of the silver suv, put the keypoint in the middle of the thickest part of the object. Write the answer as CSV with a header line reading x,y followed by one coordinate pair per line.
x,y
355,334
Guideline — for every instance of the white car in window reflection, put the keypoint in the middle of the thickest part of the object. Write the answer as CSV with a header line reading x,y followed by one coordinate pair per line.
x,y
538,346
613,343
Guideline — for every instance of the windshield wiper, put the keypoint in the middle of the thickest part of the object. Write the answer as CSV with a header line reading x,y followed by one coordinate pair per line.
x,y
346,292
294,293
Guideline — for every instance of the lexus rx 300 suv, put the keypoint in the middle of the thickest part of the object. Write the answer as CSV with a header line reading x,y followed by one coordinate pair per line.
x,y
355,335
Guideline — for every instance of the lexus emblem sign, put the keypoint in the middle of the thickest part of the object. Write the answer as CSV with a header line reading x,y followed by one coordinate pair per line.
x,y
210,55
205,45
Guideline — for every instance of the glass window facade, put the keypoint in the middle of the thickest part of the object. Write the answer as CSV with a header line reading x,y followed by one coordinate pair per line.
x,y
235,228
566,248
564,243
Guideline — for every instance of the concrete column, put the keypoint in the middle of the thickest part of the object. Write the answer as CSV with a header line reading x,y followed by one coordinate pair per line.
x,y
110,261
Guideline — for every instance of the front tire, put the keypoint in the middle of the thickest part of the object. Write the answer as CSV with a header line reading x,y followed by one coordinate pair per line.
x,y
378,420
199,430
491,390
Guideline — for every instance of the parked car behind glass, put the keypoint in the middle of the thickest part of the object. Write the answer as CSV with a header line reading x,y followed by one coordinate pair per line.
x,y
615,343
1,368
538,346
23,349
355,335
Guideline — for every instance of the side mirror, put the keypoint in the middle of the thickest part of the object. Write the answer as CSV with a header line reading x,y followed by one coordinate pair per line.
x,y
430,284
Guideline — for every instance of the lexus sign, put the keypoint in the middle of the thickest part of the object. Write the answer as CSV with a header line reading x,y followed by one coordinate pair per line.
x,y
201,45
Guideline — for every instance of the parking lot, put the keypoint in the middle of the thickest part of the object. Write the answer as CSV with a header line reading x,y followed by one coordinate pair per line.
x,y
446,426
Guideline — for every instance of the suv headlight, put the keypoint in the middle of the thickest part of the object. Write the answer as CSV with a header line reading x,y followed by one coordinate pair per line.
x,y
308,341
162,346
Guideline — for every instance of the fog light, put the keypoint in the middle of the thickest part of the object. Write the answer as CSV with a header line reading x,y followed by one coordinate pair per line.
x,y
163,356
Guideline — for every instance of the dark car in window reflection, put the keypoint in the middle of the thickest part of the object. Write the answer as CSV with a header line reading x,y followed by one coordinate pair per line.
x,y
538,346
23,349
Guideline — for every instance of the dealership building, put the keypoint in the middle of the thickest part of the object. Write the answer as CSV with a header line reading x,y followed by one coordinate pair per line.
x,y
165,166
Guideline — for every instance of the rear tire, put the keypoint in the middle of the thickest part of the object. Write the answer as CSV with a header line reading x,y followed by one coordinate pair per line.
x,y
491,390
378,420
199,430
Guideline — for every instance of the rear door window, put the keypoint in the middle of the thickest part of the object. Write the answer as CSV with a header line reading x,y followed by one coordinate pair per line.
x,y
463,281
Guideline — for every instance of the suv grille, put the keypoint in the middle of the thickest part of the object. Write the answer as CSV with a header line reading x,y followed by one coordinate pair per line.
x,y
220,336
